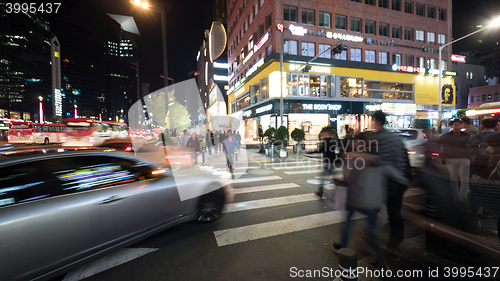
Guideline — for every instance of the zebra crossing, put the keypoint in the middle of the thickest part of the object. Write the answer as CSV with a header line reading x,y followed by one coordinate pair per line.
x,y
265,186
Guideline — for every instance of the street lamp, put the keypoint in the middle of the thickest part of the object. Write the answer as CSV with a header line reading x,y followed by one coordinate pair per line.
x,y
494,23
40,106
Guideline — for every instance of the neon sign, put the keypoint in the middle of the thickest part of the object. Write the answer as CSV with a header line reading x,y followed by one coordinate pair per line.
x,y
458,58
280,27
264,108
261,42
314,68
321,106
345,37
58,102
372,107
297,30
475,112
404,68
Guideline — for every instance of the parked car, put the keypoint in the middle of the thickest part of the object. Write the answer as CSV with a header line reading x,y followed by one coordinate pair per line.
x,y
60,209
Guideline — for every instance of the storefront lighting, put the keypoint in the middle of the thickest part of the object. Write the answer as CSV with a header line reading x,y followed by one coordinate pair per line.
x,y
221,65
264,108
297,30
352,82
239,92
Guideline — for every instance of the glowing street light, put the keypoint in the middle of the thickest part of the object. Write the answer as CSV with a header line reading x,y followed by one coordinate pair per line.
x,y
40,105
492,24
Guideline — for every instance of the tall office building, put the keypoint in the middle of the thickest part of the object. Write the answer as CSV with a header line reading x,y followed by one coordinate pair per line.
x,y
25,73
390,62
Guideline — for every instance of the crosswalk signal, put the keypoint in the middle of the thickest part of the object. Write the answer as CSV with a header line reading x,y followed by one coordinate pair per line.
x,y
339,49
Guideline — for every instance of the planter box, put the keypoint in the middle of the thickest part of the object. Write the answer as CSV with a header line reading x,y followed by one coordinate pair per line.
x,y
283,153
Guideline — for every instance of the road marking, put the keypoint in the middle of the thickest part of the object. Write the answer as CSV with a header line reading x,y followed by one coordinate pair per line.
x,y
304,172
239,173
414,191
287,163
274,228
244,168
264,188
107,262
271,202
296,167
270,178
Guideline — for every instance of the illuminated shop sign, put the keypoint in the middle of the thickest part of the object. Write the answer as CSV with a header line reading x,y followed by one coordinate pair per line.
x,y
475,112
450,73
372,107
314,68
297,30
239,92
255,67
221,65
404,68
399,108
58,102
378,42
261,42
247,113
321,106
220,78
458,58
345,37
264,108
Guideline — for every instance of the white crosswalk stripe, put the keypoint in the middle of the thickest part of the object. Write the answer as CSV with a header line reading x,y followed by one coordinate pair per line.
x,y
274,228
264,188
271,202
304,172
294,167
269,178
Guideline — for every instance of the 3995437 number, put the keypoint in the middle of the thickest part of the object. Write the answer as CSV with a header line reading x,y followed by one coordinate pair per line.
x,y
31,8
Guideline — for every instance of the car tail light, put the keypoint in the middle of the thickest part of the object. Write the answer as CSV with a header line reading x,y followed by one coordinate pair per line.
x,y
8,137
91,139
64,139
160,171
128,149
411,152
435,154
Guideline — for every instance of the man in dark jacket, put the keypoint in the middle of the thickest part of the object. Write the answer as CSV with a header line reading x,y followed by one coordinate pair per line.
x,y
261,135
209,139
327,148
456,156
194,145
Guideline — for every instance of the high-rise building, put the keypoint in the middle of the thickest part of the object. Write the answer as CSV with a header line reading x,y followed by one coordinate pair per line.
x,y
389,62
25,73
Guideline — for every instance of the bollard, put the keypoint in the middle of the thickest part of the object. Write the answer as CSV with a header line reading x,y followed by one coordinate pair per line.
x,y
348,263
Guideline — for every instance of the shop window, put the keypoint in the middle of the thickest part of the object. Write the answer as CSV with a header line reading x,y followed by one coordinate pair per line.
x,y
370,27
322,48
382,57
308,85
355,54
385,90
351,87
420,9
308,49
370,56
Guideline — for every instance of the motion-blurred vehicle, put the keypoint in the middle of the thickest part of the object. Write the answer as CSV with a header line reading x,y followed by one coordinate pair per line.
x,y
119,144
60,209
89,132
32,133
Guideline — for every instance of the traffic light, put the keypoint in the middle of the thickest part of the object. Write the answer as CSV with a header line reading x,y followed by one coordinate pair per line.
x,y
339,49
306,68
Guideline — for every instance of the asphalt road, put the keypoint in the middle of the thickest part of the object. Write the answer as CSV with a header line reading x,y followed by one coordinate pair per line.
x,y
275,224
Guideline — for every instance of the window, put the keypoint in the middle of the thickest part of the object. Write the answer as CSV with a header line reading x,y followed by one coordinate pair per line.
x,y
268,21
370,2
250,18
431,37
308,49
290,47
396,5
261,2
355,54
396,59
409,34
355,25
421,62
289,13
322,48
383,29
359,1
441,38
471,75
341,56
250,43
261,30
431,64
420,36
370,27
408,60
340,22
409,7
246,26
396,32
308,17
443,65
383,3
256,9
442,14
324,20
431,12
369,56
420,9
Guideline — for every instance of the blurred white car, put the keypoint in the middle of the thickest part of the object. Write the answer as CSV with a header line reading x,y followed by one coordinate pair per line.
x,y
413,140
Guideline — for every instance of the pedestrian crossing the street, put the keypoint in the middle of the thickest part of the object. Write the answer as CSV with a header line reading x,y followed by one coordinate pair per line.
x,y
252,183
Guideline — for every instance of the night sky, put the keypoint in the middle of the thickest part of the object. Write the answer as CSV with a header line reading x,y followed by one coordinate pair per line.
x,y
187,20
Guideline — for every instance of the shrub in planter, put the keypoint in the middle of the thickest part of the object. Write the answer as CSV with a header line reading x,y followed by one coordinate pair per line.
x,y
281,136
269,134
298,135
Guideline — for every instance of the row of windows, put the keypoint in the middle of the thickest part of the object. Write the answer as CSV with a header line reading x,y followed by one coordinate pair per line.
x,y
253,13
309,49
408,7
308,17
486,97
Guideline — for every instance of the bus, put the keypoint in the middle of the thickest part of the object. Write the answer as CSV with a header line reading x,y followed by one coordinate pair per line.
x,y
35,133
89,132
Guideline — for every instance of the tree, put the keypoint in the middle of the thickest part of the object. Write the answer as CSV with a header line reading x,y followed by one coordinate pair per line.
x,y
177,116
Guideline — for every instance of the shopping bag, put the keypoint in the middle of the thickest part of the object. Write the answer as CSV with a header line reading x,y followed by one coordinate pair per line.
x,y
339,197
